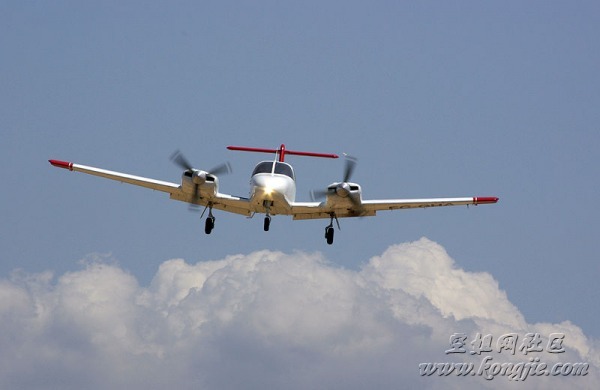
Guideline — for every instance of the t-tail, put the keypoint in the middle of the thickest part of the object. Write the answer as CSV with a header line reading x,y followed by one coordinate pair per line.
x,y
282,152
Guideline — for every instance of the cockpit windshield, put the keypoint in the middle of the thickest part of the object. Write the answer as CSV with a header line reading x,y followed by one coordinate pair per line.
x,y
280,168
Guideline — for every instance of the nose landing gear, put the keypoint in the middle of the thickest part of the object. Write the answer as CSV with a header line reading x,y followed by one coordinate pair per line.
x,y
267,224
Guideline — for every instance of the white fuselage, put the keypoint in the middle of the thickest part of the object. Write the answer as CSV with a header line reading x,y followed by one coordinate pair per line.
x,y
272,188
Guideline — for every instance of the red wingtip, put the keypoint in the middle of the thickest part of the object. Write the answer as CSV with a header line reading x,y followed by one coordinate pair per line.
x,y
485,199
62,164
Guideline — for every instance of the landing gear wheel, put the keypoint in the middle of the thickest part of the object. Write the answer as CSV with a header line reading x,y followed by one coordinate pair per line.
x,y
329,234
267,223
209,225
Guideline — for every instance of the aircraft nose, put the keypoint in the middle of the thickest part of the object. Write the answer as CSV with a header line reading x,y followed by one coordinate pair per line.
x,y
269,185
260,181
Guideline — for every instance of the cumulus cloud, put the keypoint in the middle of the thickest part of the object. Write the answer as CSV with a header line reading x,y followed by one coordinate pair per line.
x,y
268,320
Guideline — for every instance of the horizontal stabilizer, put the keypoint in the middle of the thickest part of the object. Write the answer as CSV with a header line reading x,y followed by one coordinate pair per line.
x,y
282,151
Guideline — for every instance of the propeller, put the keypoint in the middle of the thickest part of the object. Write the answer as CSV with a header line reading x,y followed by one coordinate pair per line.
x,y
349,167
179,159
342,188
198,176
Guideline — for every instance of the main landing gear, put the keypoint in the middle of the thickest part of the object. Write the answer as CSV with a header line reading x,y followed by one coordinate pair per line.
x,y
329,229
329,234
209,225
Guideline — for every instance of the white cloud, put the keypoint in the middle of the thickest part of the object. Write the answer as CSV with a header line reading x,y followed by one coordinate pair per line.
x,y
265,320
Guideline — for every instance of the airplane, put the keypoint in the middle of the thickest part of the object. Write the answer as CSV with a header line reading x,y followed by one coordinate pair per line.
x,y
272,191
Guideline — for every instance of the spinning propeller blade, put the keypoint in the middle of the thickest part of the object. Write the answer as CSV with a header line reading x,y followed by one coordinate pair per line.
x,y
318,194
179,159
349,167
222,169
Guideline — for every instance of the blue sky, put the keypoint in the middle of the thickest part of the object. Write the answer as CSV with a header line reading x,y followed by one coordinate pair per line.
x,y
436,99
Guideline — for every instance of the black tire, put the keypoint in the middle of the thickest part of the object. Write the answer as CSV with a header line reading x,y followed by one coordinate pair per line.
x,y
267,223
209,225
329,235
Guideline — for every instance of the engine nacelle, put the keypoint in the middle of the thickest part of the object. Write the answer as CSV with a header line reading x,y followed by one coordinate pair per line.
x,y
199,183
345,190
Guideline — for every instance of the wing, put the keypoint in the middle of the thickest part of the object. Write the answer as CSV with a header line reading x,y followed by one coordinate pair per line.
x,y
219,201
122,177
366,208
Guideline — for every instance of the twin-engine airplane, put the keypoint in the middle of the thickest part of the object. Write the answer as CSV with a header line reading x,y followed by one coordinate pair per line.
x,y
272,191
